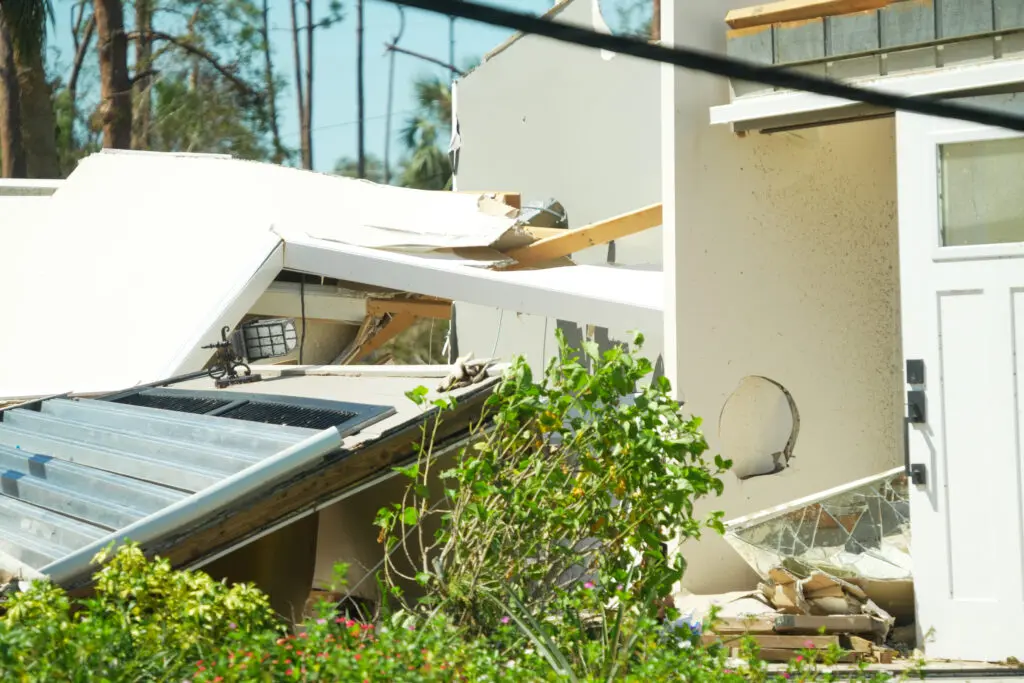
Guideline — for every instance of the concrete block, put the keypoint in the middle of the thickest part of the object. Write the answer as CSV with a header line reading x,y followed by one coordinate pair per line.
x,y
907,23
751,44
964,17
799,41
1008,14
856,67
852,33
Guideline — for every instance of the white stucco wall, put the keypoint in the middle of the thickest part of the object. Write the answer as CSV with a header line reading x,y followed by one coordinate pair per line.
x,y
551,120
782,263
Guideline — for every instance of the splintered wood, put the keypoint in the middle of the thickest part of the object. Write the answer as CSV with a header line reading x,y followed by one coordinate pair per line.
x,y
819,613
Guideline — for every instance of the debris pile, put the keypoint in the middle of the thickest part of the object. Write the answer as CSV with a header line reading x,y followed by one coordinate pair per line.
x,y
819,612
835,572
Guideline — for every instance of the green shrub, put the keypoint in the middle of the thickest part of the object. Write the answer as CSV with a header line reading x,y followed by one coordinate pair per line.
x,y
511,594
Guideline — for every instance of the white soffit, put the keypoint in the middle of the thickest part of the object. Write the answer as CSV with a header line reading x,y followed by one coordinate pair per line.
x,y
777,107
596,295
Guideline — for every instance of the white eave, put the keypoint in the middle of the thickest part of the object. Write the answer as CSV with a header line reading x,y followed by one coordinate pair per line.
x,y
595,295
794,108
196,242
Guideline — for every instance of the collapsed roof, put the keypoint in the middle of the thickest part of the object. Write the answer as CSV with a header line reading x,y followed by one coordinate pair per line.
x,y
139,259
192,474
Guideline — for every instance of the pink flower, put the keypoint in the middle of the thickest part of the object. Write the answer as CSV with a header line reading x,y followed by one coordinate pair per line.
x,y
505,620
588,585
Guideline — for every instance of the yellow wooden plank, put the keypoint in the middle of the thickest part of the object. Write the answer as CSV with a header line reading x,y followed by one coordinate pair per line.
x,y
572,241
398,324
440,310
796,10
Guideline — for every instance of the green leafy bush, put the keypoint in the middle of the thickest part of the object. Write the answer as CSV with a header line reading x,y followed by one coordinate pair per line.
x,y
550,564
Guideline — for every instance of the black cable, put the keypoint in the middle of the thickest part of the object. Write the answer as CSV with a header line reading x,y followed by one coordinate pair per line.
x,y
698,60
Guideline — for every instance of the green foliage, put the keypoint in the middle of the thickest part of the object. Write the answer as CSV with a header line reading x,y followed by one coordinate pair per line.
x,y
426,166
26,21
349,167
144,619
564,458
210,118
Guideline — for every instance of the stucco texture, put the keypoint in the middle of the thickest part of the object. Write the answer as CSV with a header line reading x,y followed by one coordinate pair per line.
x,y
787,269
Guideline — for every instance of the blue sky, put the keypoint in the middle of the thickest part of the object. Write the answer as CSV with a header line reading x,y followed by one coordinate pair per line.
x,y
334,106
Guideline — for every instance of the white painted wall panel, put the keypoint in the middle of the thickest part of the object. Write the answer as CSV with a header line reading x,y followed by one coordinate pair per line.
x,y
551,120
781,261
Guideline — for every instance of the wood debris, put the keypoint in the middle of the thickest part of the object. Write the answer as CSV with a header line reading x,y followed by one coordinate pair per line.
x,y
818,612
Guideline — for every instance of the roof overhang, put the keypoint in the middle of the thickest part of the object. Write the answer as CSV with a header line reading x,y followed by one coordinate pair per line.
x,y
796,108
135,293
596,295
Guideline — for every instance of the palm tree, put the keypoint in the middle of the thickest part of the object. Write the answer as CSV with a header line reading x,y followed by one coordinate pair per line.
x,y
25,22
427,166
349,167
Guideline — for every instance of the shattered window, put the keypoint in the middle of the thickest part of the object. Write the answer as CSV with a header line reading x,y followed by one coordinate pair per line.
x,y
860,531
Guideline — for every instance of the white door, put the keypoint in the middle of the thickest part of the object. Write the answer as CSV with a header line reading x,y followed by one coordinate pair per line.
x,y
961,223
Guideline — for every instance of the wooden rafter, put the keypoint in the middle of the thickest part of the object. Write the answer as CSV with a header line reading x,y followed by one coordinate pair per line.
x,y
399,323
571,241
421,308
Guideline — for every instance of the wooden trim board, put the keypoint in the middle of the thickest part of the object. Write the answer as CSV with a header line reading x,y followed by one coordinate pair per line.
x,y
797,10
571,241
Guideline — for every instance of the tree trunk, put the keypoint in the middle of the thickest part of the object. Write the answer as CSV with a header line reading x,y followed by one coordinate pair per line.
x,y
656,20
299,90
308,129
38,124
144,80
115,84
268,67
360,99
12,153
81,49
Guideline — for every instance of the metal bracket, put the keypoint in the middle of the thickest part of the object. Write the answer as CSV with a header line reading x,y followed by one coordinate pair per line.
x,y
226,363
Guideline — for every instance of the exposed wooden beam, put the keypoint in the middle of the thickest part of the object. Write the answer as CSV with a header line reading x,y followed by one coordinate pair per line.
x,y
571,241
542,233
797,10
420,308
398,324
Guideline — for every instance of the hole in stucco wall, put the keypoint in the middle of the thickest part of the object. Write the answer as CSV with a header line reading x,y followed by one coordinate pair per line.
x,y
758,427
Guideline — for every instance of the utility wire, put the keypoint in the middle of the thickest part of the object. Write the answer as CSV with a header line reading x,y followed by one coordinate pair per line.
x,y
708,62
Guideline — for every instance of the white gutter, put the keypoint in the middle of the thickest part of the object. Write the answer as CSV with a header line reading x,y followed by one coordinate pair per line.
x,y
202,504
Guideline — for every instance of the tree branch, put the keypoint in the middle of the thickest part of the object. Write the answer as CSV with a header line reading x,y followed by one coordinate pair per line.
x,y
83,47
207,57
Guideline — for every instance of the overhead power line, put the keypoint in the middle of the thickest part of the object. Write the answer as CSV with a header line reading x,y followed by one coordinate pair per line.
x,y
708,62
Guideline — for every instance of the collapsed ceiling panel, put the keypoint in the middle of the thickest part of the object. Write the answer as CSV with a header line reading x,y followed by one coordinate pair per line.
x,y
140,258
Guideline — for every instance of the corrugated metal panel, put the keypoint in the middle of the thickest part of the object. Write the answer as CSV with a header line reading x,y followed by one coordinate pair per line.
x,y
74,471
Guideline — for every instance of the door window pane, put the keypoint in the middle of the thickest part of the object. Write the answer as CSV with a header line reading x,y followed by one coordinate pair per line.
x,y
982,192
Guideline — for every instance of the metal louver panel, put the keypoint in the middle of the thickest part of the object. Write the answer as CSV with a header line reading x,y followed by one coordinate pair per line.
x,y
295,416
286,411
75,471
180,404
